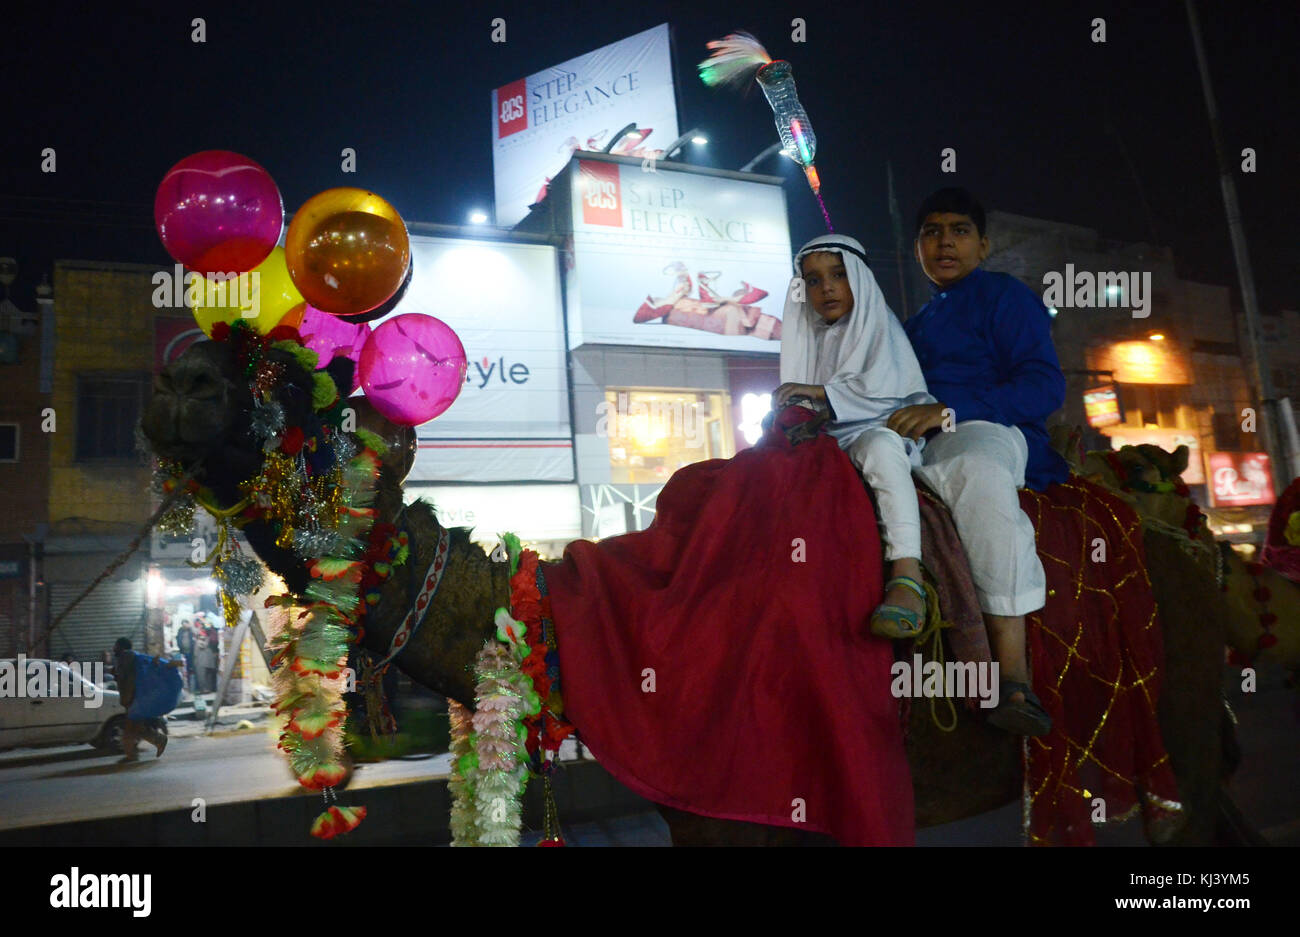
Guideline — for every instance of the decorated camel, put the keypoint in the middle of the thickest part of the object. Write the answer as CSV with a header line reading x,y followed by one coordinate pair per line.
x,y
203,421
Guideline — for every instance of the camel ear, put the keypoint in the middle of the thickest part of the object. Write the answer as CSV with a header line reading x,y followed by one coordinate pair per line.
x,y
1178,460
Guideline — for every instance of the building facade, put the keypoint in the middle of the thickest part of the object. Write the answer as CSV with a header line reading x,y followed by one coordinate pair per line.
x,y
1157,358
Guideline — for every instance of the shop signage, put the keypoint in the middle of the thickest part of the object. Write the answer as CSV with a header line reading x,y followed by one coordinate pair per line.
x,y
676,258
1239,479
532,512
1101,404
511,420
538,122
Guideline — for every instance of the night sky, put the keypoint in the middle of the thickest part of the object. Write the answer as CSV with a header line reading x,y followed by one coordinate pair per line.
x,y
1045,122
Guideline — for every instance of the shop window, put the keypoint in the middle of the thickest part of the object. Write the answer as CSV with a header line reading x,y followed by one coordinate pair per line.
x,y
1227,432
1153,404
108,409
653,433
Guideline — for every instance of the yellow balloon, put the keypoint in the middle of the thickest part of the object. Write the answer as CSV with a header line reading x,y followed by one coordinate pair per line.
x,y
262,297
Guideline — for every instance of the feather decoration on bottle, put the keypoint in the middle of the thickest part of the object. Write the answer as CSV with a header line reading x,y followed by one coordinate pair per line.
x,y
734,60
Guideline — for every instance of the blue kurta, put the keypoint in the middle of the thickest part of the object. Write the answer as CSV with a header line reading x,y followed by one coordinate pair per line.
x,y
985,347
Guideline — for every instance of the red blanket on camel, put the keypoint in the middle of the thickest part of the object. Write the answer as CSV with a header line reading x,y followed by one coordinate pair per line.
x,y
720,661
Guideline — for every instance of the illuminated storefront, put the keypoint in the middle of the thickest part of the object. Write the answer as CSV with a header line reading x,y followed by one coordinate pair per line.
x,y
1165,398
654,433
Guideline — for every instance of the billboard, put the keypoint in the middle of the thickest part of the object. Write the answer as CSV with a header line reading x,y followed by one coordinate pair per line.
x,y
676,258
1239,479
540,121
511,420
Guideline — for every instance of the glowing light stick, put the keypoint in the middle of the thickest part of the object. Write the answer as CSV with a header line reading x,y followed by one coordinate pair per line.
x,y
738,56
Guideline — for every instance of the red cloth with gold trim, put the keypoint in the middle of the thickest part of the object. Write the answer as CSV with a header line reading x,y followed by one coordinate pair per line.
x,y
1098,654
721,661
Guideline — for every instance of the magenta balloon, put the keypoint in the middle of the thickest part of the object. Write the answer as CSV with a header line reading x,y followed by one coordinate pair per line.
x,y
218,212
331,337
412,368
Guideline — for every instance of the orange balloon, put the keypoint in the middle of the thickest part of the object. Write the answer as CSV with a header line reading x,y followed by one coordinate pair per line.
x,y
293,318
347,251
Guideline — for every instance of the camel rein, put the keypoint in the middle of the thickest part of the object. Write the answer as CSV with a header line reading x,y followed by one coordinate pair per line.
x,y
422,600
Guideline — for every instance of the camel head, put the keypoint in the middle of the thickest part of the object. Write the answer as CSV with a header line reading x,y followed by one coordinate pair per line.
x,y
1150,478
203,416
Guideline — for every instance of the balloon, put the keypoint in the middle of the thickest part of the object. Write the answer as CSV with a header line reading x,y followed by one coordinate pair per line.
x,y
347,251
266,293
412,368
332,337
388,306
218,212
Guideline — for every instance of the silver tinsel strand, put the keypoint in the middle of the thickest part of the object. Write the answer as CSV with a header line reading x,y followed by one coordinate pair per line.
x,y
310,544
266,419
344,447
242,575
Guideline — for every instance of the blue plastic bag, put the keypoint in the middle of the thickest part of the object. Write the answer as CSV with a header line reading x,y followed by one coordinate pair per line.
x,y
157,688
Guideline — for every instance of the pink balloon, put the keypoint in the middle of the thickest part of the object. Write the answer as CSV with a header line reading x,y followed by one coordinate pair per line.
x,y
218,212
413,368
331,337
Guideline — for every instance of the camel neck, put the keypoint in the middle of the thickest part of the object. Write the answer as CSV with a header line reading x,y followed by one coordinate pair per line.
x,y
460,618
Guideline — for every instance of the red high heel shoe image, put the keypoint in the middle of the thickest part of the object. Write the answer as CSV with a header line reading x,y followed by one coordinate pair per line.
x,y
748,295
658,308
707,294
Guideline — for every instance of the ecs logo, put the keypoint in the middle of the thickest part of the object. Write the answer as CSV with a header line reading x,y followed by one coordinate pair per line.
x,y
511,116
601,195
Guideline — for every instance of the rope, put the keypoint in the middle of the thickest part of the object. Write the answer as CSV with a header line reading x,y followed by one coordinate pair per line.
x,y
933,632
134,545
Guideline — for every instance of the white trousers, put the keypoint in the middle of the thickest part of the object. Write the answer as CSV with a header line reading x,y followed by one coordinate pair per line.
x,y
975,470
886,461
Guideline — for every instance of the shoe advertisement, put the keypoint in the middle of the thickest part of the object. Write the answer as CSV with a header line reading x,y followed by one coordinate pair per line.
x,y
677,258
540,121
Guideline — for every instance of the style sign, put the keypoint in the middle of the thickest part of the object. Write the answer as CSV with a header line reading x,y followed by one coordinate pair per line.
x,y
540,121
511,420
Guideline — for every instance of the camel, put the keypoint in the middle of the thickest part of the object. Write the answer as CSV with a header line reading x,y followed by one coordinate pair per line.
x,y
1252,592
198,416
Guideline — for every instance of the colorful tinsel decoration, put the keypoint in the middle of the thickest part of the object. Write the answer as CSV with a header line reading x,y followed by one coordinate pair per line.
x,y
464,820
316,487
518,723
501,770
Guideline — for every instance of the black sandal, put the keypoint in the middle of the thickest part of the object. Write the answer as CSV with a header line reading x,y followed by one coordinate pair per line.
x,y
1027,718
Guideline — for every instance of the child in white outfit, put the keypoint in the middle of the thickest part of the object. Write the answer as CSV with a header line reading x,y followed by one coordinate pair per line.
x,y
841,344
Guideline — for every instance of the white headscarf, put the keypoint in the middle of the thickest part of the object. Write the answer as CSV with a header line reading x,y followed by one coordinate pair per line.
x,y
873,354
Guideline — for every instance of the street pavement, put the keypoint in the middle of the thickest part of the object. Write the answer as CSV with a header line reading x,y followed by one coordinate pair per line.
x,y
54,785
57,785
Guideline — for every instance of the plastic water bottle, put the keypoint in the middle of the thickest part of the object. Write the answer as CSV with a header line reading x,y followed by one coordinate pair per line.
x,y
777,81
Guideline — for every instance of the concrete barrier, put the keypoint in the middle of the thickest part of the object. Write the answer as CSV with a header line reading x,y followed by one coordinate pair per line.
x,y
410,814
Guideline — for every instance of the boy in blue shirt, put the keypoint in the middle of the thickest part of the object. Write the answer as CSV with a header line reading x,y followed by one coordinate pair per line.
x,y
984,344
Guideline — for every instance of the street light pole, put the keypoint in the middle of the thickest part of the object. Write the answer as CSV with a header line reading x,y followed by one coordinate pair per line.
x,y
774,148
1258,361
